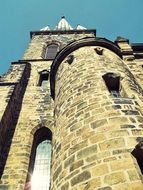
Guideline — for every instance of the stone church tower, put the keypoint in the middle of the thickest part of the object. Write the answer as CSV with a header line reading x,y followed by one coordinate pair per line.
x,y
72,113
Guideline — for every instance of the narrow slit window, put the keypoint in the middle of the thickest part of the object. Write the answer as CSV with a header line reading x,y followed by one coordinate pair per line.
x,y
138,154
112,82
44,79
51,51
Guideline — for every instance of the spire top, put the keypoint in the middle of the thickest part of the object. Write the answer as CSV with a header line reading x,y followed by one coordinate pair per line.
x,y
63,24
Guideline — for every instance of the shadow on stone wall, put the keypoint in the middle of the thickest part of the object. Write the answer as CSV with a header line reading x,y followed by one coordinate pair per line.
x,y
11,114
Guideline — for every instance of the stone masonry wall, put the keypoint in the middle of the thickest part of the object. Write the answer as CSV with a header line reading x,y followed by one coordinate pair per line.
x,y
36,112
12,88
38,44
95,133
134,66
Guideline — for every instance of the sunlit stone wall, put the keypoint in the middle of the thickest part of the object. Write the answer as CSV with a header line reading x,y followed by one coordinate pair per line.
x,y
95,132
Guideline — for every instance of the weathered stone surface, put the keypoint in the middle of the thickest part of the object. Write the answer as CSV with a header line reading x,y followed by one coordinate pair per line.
x,y
87,152
133,175
69,161
118,133
76,165
105,188
57,172
115,178
123,101
91,184
80,178
98,123
121,164
78,147
130,112
65,186
100,170
127,126
97,138
112,144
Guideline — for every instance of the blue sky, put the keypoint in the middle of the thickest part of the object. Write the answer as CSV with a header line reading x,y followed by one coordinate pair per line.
x,y
111,18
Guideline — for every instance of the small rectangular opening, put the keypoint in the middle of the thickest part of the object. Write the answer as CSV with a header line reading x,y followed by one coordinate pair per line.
x,y
44,79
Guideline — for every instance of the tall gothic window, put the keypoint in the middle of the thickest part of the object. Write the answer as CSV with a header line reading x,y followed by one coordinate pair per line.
x,y
51,51
40,161
41,173
112,82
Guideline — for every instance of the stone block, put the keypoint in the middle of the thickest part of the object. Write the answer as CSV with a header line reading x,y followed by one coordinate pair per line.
x,y
133,175
99,170
57,172
99,123
105,188
77,147
69,161
123,164
126,126
112,144
84,176
65,186
76,165
98,156
117,133
91,184
115,178
98,137
83,153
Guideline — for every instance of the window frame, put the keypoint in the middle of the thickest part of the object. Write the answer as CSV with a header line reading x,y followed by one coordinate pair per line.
x,y
51,55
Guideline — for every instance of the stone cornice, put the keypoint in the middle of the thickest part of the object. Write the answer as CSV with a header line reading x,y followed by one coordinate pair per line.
x,y
58,32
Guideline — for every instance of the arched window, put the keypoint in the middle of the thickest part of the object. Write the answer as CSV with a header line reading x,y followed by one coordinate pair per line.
x,y
112,82
40,161
43,79
51,51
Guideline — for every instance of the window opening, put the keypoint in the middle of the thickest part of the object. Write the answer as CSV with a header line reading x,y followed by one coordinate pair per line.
x,y
51,51
112,82
38,177
138,154
44,79
41,173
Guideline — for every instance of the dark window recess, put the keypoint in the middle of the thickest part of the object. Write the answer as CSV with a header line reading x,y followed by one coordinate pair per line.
x,y
51,51
138,154
112,82
44,77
